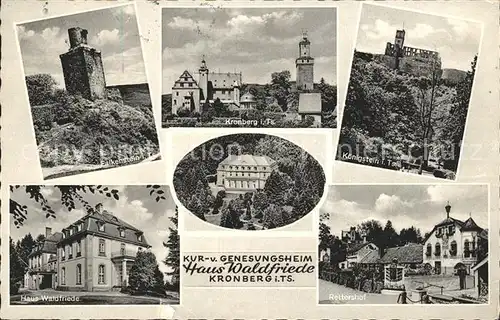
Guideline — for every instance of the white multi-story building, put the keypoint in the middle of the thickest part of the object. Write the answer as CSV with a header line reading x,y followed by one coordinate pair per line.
x,y
244,173
95,253
452,242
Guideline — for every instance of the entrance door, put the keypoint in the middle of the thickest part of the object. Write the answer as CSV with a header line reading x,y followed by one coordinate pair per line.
x,y
437,267
46,281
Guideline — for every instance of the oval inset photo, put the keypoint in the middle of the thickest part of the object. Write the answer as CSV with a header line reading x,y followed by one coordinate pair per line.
x,y
249,182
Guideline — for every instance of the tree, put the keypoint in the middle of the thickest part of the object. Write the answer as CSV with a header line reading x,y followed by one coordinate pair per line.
x,y
201,201
325,236
23,248
373,231
456,119
280,87
219,200
260,202
410,235
390,236
275,188
143,276
40,87
220,109
70,195
328,96
426,96
230,217
275,217
173,257
16,269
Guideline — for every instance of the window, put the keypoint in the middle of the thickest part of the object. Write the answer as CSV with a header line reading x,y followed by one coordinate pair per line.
x,y
428,252
190,84
182,85
70,251
466,249
102,247
122,249
78,248
100,226
453,248
78,274
175,102
122,233
139,237
102,275
79,227
177,93
63,275
63,254
437,250
71,231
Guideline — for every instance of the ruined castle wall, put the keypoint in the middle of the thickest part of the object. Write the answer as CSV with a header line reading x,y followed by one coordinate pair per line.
x,y
419,66
95,71
75,73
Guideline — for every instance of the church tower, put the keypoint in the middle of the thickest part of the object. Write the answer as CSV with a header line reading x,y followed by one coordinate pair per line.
x,y
82,67
305,65
203,80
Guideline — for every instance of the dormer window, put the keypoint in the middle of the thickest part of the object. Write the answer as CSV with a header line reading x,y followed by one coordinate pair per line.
x,y
122,232
71,231
139,236
100,226
79,227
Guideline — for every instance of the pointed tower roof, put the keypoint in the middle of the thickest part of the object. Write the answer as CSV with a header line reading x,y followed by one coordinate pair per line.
x,y
471,225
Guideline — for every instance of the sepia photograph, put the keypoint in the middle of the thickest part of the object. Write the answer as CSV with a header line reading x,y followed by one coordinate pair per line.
x,y
249,67
88,92
86,245
249,182
408,97
404,244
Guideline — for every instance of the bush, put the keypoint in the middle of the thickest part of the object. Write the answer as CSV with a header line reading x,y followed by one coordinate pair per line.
x,y
40,88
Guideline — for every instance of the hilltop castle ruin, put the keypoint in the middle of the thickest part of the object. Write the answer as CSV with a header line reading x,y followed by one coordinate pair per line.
x,y
415,61
82,67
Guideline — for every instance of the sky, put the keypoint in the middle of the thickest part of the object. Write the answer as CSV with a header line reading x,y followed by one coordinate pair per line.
x,y
256,42
135,206
421,206
113,31
456,40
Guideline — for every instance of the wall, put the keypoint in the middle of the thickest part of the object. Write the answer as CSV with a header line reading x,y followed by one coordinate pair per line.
x,y
450,261
95,72
178,98
75,72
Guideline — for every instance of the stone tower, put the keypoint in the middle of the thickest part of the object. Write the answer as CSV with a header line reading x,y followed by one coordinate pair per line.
x,y
203,80
305,65
399,42
236,93
82,67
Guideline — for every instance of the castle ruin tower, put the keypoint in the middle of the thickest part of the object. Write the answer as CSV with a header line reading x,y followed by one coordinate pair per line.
x,y
203,80
82,67
305,65
399,42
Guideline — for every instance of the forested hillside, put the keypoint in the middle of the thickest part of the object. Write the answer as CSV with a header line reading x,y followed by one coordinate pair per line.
x,y
390,115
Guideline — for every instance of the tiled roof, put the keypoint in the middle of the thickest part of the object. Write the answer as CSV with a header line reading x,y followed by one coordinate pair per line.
x,y
310,103
247,159
47,245
352,248
410,253
470,225
186,77
224,80
370,258
112,227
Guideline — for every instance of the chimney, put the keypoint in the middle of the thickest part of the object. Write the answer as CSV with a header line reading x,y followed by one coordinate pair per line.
x,y
98,207
77,36
448,208
48,232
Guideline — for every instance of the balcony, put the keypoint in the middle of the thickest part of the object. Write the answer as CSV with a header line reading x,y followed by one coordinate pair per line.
x,y
124,254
